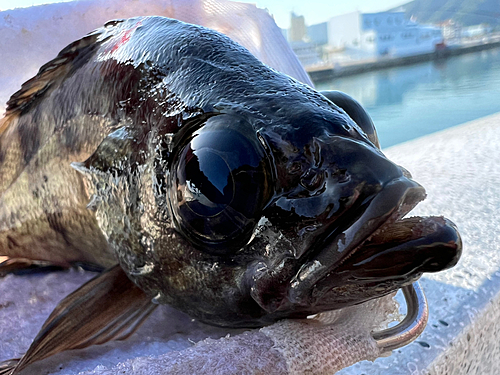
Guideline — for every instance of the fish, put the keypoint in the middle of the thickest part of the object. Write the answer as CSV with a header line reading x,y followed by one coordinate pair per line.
x,y
191,174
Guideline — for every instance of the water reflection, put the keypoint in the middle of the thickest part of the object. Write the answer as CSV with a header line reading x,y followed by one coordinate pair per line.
x,y
411,101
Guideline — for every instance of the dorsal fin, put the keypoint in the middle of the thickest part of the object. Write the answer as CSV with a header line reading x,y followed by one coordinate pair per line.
x,y
15,130
55,71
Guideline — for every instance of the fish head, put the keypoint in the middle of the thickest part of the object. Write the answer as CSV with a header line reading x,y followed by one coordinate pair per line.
x,y
240,223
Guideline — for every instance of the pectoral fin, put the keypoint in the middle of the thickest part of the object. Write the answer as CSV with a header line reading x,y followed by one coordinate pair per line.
x,y
108,307
6,367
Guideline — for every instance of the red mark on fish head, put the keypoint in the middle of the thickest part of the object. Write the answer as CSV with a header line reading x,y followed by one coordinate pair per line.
x,y
123,37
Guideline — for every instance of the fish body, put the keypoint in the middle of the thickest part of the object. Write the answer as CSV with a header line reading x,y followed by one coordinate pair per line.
x,y
221,186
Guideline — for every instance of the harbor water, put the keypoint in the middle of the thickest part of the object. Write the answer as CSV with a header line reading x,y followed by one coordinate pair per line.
x,y
411,101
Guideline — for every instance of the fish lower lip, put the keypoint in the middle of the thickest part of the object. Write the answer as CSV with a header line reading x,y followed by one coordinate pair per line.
x,y
393,257
394,201
428,243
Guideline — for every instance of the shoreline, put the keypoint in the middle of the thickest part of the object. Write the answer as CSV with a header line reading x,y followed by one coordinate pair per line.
x,y
327,72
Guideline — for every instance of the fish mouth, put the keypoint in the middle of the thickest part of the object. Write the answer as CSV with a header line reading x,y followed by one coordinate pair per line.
x,y
374,254
395,255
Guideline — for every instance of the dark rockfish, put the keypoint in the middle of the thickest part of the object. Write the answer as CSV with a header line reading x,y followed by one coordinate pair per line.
x,y
220,186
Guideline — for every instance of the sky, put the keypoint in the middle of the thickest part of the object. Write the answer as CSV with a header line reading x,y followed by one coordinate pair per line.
x,y
314,11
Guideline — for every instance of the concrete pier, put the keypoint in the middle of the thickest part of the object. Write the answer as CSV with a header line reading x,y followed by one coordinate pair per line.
x,y
327,72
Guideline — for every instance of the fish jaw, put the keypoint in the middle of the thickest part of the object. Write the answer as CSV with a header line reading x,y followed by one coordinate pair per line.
x,y
387,254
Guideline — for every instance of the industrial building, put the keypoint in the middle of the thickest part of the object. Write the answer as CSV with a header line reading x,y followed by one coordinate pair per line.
x,y
382,34
364,36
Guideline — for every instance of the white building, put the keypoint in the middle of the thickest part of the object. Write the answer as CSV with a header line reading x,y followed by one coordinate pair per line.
x,y
451,30
382,34
307,53
476,31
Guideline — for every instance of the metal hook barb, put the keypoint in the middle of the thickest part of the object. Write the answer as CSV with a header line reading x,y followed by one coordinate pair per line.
x,y
412,325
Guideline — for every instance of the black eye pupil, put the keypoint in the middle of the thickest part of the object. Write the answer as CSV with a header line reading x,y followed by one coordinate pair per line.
x,y
218,185
206,183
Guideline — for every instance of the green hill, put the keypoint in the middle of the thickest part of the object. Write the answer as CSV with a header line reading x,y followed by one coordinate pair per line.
x,y
465,12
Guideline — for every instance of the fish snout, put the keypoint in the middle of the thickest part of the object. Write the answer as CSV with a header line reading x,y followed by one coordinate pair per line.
x,y
339,178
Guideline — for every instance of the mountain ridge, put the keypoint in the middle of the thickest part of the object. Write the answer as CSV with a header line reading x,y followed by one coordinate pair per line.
x,y
464,12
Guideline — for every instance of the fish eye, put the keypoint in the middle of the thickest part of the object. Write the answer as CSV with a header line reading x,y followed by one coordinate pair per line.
x,y
219,184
